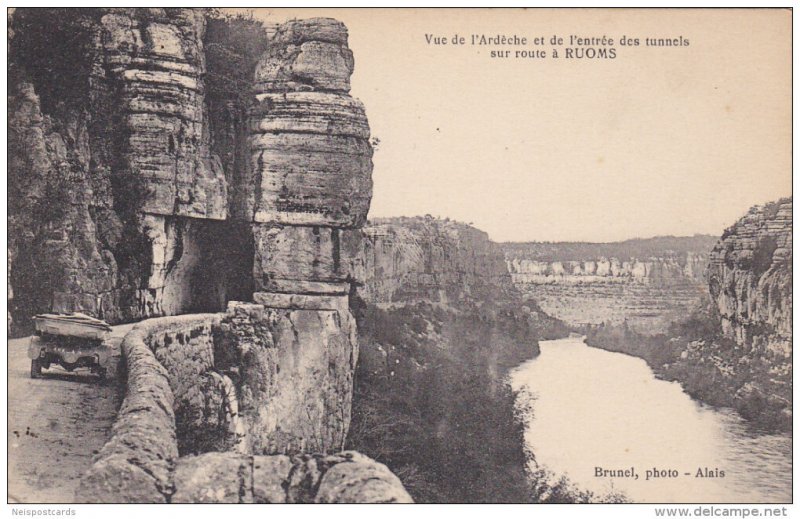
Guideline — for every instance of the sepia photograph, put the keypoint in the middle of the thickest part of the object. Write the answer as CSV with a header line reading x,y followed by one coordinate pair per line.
x,y
283,255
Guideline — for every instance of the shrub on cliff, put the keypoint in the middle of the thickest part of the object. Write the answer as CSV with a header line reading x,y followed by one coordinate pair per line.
x,y
54,50
233,44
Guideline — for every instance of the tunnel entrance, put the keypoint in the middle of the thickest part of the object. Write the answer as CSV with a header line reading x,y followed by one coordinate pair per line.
x,y
224,269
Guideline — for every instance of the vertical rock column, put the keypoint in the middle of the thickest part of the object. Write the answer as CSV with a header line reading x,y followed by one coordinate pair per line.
x,y
312,165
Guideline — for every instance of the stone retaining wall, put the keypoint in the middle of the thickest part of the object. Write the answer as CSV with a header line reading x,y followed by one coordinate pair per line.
x,y
166,360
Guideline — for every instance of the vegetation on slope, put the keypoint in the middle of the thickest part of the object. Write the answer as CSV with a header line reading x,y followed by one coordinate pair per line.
x,y
432,402
710,367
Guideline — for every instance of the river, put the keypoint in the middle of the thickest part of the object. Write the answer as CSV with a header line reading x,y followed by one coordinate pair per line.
x,y
594,410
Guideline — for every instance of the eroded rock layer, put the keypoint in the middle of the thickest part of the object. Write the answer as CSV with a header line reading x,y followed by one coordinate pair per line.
x,y
293,369
347,477
154,62
311,157
311,165
750,278
644,283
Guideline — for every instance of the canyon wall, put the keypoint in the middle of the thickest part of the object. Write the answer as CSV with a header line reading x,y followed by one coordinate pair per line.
x,y
440,325
750,278
428,259
643,283
185,431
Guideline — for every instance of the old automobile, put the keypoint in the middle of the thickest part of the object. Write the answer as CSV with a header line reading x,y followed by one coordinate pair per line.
x,y
71,341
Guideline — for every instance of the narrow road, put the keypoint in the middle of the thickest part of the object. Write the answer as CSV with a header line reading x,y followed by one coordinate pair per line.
x,y
56,425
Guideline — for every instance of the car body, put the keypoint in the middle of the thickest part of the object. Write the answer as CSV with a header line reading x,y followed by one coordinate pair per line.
x,y
71,341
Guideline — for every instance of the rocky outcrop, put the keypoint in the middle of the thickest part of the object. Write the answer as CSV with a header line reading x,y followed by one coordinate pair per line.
x,y
293,371
311,165
427,259
750,278
643,283
651,271
347,477
311,160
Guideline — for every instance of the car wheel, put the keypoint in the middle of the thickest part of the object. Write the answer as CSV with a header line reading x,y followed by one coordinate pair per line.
x,y
36,368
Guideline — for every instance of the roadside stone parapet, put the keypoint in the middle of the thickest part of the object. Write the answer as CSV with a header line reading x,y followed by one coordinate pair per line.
x,y
136,464
346,477
180,436
164,358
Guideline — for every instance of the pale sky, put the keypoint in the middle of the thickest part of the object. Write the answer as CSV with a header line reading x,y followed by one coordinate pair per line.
x,y
658,141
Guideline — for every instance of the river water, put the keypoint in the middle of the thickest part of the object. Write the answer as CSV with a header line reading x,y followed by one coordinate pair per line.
x,y
594,410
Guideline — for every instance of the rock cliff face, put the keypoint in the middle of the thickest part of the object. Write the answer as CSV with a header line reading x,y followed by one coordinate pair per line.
x,y
121,208
644,283
750,278
117,198
427,259
185,431
311,165
440,325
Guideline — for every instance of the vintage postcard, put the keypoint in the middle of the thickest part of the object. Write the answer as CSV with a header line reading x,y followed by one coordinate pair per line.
x,y
267,255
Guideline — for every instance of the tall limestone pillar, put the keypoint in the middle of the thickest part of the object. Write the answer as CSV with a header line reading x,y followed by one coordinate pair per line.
x,y
311,165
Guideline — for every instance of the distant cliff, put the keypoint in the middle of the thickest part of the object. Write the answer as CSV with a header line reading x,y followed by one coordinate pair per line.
x,y
643,282
430,259
654,270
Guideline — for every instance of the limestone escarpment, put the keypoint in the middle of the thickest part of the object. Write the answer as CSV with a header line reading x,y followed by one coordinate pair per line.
x,y
293,371
427,259
311,162
346,477
649,271
644,283
121,210
311,167
750,278
153,65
